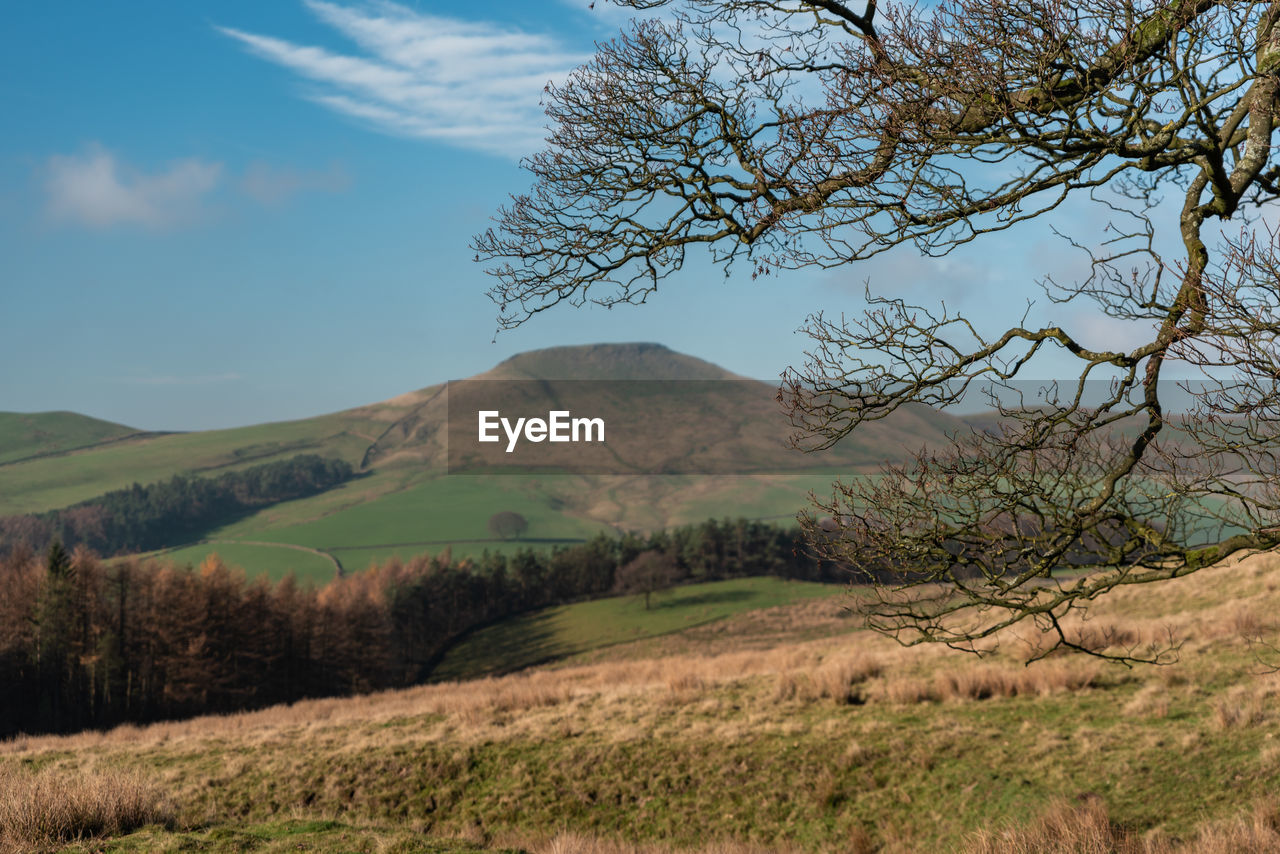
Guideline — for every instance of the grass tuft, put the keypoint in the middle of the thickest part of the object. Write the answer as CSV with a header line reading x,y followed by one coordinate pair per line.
x,y
1085,828
42,809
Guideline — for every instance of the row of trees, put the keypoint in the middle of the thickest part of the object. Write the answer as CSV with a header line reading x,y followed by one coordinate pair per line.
x,y
184,508
87,643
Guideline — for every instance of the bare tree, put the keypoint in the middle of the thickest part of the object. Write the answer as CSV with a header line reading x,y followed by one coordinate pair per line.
x,y
794,133
647,573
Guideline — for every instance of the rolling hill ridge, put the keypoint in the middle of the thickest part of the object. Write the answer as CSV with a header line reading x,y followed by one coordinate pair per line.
x,y
404,503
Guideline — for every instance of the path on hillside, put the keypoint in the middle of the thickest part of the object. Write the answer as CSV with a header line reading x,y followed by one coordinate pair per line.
x,y
337,564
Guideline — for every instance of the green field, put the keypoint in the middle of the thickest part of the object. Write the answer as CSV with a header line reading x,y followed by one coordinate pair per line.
x,y
437,512
394,514
572,629
374,518
34,434
47,483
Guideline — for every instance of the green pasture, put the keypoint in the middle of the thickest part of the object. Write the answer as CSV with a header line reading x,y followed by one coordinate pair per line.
x,y
30,434
387,514
47,483
363,488
571,629
428,516
398,513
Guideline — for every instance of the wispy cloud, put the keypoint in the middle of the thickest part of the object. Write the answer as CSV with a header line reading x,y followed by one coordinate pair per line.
x,y
96,190
470,84
273,185
169,379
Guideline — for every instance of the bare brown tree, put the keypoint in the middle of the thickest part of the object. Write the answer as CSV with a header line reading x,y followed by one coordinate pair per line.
x,y
647,573
793,133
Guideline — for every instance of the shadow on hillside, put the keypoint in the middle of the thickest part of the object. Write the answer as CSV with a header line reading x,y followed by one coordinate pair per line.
x,y
711,597
501,647
532,639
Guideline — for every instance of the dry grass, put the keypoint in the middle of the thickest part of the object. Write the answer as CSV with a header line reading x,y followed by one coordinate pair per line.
x,y
1084,828
1064,828
1152,700
1253,834
827,669
724,698
579,843
1050,677
566,842
844,669
43,809
837,679
987,681
1248,704
850,667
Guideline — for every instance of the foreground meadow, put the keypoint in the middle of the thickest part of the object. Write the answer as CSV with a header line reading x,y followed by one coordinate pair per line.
x,y
786,729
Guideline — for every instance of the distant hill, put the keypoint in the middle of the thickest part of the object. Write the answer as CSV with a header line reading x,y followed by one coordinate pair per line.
x,y
417,438
403,504
638,361
34,434
52,460
737,430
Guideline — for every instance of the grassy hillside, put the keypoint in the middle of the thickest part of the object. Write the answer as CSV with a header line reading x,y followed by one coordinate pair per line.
x,y
393,514
556,633
779,730
46,483
35,434
403,504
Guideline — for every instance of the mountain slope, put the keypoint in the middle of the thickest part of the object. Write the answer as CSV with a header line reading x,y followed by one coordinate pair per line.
x,y
44,483
417,438
56,459
634,361
34,434
402,504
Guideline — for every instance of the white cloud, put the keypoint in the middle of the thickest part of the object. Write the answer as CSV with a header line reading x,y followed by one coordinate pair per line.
x,y
473,85
96,190
273,185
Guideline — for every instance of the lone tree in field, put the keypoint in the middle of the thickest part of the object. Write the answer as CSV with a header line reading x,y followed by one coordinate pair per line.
x,y
647,573
791,133
508,525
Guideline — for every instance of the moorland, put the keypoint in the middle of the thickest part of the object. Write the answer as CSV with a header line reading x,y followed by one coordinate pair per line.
x,y
785,728
737,714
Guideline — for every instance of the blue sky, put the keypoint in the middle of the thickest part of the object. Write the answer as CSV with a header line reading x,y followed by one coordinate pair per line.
x,y
223,213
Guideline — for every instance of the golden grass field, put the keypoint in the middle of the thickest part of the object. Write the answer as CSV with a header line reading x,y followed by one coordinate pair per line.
x,y
788,729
